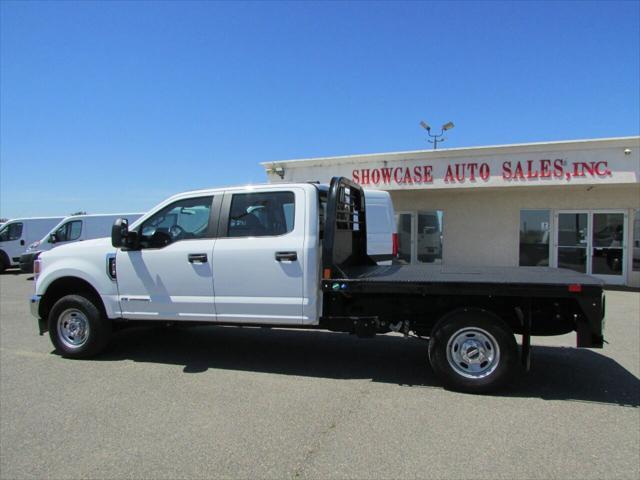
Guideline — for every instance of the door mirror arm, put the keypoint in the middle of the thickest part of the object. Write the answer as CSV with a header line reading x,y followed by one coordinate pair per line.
x,y
132,242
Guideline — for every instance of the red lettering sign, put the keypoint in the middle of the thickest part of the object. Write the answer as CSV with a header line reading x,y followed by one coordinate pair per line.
x,y
529,171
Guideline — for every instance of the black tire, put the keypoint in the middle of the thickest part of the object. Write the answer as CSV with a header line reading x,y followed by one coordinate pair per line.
x,y
77,327
483,339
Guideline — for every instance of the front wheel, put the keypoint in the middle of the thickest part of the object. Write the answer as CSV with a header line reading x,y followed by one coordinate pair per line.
x,y
473,351
77,327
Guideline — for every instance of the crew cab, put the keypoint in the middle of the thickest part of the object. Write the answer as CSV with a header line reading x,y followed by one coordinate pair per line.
x,y
295,256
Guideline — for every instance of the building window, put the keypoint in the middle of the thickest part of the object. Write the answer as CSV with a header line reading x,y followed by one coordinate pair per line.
x,y
430,237
404,221
534,238
636,241
420,237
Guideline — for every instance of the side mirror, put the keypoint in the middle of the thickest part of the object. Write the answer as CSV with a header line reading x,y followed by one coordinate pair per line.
x,y
53,238
119,232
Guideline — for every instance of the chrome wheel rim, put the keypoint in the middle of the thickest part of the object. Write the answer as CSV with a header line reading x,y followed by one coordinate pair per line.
x,y
73,328
473,353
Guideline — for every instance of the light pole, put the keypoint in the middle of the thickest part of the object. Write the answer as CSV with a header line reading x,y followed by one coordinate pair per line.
x,y
437,138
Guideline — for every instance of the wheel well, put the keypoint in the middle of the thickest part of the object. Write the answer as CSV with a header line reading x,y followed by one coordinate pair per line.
x,y
68,286
446,307
466,311
4,258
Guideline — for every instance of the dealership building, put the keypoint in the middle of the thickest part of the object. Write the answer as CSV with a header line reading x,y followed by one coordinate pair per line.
x,y
570,204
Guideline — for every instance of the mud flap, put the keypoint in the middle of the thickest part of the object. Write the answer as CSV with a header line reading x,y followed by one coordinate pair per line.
x,y
43,326
525,322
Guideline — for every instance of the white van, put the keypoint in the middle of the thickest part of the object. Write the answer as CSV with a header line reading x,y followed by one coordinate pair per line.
x,y
382,235
16,234
72,229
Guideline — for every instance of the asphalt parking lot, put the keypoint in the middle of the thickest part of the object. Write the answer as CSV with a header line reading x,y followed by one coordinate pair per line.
x,y
254,403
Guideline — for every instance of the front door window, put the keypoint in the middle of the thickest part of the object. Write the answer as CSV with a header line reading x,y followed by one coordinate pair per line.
x,y
186,219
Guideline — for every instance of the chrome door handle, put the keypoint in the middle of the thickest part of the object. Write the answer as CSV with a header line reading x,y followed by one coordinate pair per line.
x,y
287,256
197,258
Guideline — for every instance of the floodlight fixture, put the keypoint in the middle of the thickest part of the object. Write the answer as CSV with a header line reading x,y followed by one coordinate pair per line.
x,y
437,138
425,126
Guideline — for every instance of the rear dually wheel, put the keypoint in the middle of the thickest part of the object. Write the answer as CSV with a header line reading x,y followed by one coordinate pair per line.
x,y
473,351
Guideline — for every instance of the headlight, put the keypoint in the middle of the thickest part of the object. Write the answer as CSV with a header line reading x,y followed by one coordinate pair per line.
x,y
37,268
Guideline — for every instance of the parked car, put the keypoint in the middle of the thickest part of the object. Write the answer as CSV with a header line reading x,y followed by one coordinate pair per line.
x,y
16,234
75,228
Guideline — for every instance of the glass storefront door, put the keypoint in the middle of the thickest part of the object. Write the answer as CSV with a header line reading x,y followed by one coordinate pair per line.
x,y
405,237
573,239
592,242
607,242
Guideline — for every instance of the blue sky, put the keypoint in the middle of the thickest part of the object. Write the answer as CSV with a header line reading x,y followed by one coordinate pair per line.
x,y
112,106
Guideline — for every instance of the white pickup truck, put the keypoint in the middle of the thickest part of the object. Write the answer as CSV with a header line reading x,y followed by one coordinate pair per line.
x,y
295,256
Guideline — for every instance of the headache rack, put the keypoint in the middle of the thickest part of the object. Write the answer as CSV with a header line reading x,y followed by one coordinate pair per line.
x,y
345,231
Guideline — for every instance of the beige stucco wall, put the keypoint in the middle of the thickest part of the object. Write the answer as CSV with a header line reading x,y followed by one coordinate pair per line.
x,y
482,217
481,227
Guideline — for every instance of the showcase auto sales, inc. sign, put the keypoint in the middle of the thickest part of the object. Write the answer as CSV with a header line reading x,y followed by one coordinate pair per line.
x,y
496,173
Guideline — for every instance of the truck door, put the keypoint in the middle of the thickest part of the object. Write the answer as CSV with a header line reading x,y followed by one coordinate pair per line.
x,y
170,276
258,257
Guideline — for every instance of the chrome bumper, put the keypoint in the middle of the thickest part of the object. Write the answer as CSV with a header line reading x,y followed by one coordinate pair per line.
x,y
34,303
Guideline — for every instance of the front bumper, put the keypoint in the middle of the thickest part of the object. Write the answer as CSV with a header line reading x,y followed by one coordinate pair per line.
x,y
34,303
26,261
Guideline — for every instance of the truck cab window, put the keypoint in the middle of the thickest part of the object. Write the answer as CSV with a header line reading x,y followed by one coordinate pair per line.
x,y
261,214
10,232
182,220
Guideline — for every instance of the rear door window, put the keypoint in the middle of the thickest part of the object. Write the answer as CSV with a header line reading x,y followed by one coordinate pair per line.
x,y
261,214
